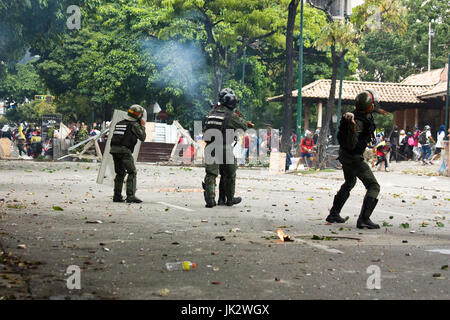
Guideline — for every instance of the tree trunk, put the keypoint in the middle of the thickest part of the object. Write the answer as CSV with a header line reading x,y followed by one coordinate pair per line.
x,y
325,130
287,103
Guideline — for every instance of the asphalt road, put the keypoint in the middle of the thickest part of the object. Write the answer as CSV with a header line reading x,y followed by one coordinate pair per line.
x,y
236,250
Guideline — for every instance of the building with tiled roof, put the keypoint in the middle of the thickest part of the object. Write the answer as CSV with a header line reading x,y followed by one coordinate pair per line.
x,y
418,100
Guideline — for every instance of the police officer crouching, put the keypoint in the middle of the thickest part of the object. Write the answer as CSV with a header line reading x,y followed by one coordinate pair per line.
x,y
221,118
356,130
125,136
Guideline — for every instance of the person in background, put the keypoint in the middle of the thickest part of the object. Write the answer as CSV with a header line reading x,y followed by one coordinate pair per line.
x,y
306,149
316,136
439,142
382,150
444,162
246,147
416,148
424,139
410,145
36,144
402,143
393,137
288,160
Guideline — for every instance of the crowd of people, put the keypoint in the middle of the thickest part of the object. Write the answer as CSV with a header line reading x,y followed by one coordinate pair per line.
x,y
419,145
28,137
399,145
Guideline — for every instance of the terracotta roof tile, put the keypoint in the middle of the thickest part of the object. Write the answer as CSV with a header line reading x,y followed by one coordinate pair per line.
x,y
387,92
439,90
431,77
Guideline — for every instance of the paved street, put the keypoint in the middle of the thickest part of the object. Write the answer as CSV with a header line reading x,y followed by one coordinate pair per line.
x,y
236,249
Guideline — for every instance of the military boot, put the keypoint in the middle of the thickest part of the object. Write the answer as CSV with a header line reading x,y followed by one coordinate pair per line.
x,y
118,198
222,197
368,206
133,199
118,184
234,201
209,198
338,203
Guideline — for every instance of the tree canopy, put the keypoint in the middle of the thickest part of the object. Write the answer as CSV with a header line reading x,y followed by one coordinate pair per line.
x,y
180,53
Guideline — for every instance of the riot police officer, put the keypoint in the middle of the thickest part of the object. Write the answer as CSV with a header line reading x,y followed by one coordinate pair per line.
x,y
356,130
222,118
125,136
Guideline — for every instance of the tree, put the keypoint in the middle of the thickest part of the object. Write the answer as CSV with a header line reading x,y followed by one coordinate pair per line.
x,y
343,36
222,28
384,58
21,83
102,65
25,23
287,103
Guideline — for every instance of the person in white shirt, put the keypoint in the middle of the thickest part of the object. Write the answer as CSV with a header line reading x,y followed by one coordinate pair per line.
x,y
439,142
402,143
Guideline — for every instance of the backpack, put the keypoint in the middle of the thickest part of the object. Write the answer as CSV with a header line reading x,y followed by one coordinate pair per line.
x,y
423,138
411,141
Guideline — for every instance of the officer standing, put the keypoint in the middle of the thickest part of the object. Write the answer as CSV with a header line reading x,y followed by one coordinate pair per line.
x,y
356,130
222,118
222,196
125,136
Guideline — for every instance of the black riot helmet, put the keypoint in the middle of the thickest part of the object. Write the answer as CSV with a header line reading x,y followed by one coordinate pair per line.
x,y
366,101
228,98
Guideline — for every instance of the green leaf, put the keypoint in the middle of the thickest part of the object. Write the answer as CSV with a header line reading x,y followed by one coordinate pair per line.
x,y
404,225
56,208
16,206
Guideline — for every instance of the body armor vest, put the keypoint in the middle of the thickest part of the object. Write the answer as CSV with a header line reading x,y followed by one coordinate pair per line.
x,y
364,138
123,136
218,119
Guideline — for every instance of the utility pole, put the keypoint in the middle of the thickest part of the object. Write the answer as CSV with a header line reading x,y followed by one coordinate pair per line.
x,y
430,36
448,92
243,82
300,76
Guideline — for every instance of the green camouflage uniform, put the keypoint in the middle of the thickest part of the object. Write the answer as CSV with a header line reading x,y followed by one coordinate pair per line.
x,y
124,164
228,170
354,167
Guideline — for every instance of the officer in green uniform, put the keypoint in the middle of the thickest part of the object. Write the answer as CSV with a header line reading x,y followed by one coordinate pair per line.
x,y
356,130
222,197
125,136
222,118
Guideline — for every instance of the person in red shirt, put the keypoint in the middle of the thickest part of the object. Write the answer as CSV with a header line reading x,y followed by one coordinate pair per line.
x,y
246,147
306,149
383,148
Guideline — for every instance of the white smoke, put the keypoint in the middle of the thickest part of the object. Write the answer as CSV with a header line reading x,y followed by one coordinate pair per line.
x,y
180,65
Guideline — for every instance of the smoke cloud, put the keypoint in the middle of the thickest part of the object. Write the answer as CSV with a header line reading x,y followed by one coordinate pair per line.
x,y
180,65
